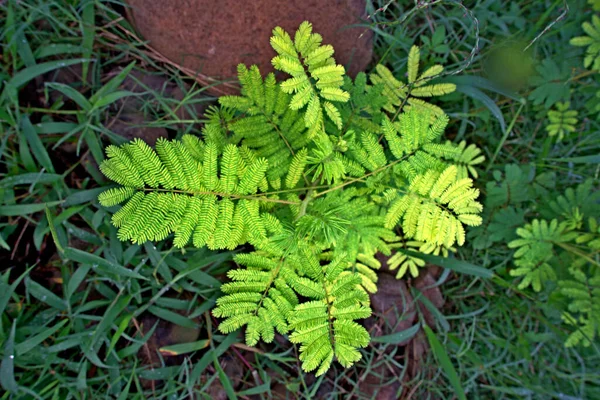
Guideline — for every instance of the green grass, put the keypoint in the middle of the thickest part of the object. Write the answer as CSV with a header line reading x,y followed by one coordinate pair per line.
x,y
78,306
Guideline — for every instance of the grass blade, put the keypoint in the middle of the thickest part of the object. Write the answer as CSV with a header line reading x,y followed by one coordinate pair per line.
x,y
123,325
482,83
109,317
32,342
595,159
454,264
84,196
44,295
7,292
88,27
36,145
53,231
442,357
224,379
32,178
3,244
72,94
78,276
434,311
7,369
487,101
113,84
111,98
25,209
172,317
52,128
183,348
92,259
27,74
398,337
57,49
208,357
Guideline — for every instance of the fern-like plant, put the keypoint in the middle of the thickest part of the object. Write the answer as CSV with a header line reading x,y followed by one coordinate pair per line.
x,y
562,254
562,120
418,86
591,41
535,249
318,173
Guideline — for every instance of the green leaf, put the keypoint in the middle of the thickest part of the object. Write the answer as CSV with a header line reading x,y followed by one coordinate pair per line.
x,y
72,94
193,269
111,98
124,395
81,382
482,83
398,337
84,196
65,344
224,379
57,49
108,319
435,312
33,341
53,231
184,348
7,369
27,74
76,279
120,329
173,317
36,145
552,84
264,388
32,178
595,159
442,357
91,355
486,100
95,261
3,244
88,16
112,85
207,358
25,209
24,48
6,293
44,295
51,128
454,264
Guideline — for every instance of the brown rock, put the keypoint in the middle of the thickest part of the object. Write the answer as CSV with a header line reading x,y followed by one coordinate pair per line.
x,y
213,37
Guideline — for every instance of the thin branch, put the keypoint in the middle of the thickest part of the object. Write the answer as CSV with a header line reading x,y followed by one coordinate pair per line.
x,y
550,25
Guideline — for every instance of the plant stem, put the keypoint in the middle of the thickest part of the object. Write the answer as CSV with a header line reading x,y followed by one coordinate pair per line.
x,y
358,179
505,136
307,199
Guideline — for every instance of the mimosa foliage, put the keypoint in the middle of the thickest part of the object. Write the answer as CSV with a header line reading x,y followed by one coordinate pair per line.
x,y
591,42
318,173
418,86
563,120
